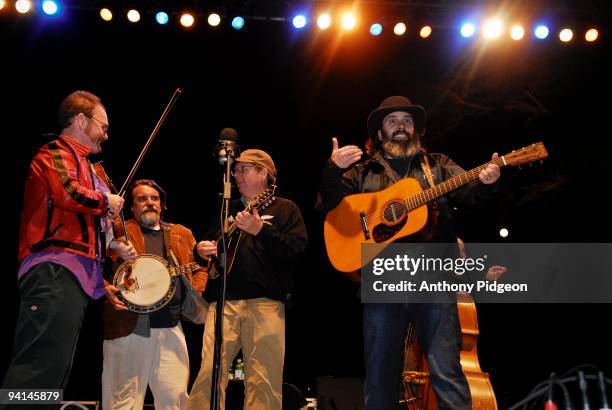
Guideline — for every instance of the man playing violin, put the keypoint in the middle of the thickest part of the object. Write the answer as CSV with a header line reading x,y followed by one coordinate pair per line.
x,y
149,349
64,235
259,284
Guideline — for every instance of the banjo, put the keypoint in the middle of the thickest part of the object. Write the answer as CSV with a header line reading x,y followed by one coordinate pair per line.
x,y
146,284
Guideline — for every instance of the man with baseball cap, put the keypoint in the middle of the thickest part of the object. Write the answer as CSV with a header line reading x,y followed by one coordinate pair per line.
x,y
259,284
395,130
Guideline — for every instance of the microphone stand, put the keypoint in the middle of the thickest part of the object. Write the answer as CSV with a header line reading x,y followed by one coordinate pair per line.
x,y
215,389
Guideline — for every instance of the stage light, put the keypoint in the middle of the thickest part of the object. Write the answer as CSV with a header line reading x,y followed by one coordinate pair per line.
x,y
238,22
187,20
591,35
425,31
504,232
106,14
161,17
376,29
299,21
214,19
23,6
517,32
133,16
566,35
324,21
541,32
399,29
50,7
348,21
468,30
2,4
492,29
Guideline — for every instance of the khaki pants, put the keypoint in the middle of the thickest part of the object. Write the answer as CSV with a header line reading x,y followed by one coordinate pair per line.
x,y
258,327
133,362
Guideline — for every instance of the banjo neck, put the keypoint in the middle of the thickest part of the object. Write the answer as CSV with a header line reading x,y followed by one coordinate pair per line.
x,y
183,269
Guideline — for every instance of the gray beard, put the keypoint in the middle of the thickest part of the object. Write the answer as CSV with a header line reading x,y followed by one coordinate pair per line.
x,y
149,220
405,149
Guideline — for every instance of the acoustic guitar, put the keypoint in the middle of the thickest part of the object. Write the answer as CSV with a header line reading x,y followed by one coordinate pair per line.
x,y
397,211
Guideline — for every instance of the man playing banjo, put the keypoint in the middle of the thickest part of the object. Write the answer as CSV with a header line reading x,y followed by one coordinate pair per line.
x,y
149,349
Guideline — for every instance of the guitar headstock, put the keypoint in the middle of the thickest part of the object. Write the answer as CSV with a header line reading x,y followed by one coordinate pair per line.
x,y
533,152
264,199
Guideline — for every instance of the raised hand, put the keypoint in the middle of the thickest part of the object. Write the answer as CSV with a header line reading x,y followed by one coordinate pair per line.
x,y
345,156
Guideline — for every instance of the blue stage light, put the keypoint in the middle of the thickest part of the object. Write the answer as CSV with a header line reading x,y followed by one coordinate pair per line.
x,y
376,29
161,17
238,22
468,30
299,21
50,7
541,32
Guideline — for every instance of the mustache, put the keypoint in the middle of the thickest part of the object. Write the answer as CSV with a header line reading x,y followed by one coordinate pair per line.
x,y
150,209
400,132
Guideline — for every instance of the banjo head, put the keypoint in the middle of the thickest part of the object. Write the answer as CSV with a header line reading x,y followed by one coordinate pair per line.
x,y
149,285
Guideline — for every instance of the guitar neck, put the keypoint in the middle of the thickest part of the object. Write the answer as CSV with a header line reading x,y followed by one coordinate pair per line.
x,y
183,269
234,224
451,184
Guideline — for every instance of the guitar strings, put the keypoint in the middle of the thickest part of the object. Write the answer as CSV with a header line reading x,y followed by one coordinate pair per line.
x,y
390,210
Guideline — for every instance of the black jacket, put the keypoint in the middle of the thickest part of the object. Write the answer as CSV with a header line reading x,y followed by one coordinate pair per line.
x,y
263,266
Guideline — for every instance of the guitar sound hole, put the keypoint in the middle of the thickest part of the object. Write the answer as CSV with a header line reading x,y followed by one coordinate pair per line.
x,y
382,232
394,212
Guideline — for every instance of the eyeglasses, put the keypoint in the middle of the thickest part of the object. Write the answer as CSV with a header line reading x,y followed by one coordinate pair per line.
x,y
103,126
241,169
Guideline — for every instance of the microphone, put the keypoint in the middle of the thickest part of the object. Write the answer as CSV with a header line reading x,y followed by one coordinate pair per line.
x,y
583,389
227,146
602,390
550,404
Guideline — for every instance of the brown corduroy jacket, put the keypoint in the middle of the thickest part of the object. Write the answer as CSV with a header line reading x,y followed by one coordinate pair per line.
x,y
122,323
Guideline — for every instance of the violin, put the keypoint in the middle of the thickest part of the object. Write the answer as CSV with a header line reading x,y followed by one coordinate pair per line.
x,y
118,221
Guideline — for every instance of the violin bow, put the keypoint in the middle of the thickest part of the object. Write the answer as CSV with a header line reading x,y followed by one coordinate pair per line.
x,y
130,176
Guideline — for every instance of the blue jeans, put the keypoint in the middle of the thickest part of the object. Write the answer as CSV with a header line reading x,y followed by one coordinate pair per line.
x,y
439,334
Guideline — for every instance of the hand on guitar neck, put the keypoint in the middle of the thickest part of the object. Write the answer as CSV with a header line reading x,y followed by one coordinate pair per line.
x,y
249,222
491,173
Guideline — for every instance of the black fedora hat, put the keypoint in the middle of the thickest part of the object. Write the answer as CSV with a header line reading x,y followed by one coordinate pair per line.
x,y
392,104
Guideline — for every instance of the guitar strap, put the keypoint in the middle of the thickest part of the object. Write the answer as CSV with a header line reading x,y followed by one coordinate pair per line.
x,y
429,176
427,171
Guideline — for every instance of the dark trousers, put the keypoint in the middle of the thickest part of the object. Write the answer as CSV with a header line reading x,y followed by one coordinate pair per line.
x,y
439,334
51,312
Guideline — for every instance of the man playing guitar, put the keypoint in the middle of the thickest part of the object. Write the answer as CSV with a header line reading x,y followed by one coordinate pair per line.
x,y
258,286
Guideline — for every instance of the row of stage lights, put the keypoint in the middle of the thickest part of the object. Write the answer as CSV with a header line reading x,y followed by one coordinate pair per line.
x,y
491,29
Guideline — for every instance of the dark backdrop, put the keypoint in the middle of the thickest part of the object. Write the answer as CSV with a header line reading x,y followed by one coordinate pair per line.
x,y
288,92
